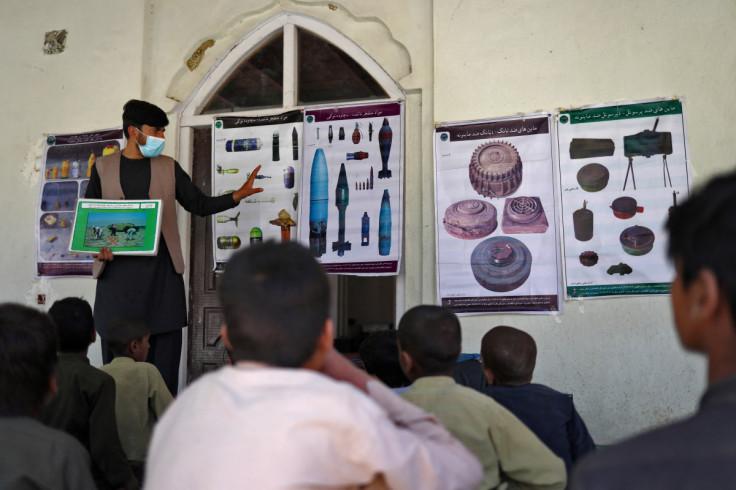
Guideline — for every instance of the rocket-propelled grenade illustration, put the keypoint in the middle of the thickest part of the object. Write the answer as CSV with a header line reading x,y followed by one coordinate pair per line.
x,y
318,204
384,225
342,199
329,134
370,131
385,137
294,144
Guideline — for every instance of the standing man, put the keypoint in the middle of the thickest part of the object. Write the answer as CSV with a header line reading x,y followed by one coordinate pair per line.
x,y
150,288
697,452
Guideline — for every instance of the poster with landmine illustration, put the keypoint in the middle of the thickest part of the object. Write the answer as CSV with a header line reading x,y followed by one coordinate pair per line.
x,y
496,213
623,167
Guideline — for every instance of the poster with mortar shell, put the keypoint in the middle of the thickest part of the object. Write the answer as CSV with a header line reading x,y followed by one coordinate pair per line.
x,y
352,188
65,171
239,145
496,231
623,166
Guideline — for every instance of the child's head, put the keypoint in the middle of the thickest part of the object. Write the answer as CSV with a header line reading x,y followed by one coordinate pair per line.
x,y
380,357
28,345
128,337
429,339
275,300
702,233
75,324
509,356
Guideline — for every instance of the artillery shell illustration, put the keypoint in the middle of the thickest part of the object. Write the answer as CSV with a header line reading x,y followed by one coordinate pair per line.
x,y
318,199
385,138
384,225
246,144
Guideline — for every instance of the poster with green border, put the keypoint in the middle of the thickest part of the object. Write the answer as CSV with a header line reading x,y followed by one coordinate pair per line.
x,y
125,227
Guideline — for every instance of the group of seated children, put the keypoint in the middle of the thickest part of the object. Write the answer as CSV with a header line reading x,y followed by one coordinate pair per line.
x,y
110,411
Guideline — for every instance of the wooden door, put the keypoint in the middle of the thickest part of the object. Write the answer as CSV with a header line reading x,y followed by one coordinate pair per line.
x,y
206,350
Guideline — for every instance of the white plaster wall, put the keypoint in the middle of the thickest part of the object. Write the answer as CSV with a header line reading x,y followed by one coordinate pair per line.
x,y
81,89
620,357
468,59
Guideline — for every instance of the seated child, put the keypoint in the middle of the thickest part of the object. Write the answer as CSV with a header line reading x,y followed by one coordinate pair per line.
x,y
142,395
33,455
85,403
429,341
509,356
381,359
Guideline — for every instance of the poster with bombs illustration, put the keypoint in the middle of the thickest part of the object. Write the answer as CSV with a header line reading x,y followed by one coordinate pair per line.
x,y
239,145
352,205
497,245
65,171
623,167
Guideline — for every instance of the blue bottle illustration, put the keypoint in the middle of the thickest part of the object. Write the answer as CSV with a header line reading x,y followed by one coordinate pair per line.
x,y
365,228
318,197
384,225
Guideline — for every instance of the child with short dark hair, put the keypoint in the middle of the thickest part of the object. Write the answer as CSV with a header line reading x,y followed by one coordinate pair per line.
x,y
33,455
142,395
381,359
509,356
429,340
85,403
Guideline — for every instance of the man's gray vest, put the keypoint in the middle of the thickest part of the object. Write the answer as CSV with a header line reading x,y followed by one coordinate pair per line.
x,y
163,186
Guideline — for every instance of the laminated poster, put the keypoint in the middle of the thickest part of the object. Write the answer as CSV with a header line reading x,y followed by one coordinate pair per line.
x,y
622,168
239,145
126,227
497,245
67,163
352,202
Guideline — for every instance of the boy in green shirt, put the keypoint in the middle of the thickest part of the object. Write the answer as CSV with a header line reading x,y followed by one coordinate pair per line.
x,y
142,395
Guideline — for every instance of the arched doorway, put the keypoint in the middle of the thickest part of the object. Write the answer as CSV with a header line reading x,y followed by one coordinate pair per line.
x,y
290,61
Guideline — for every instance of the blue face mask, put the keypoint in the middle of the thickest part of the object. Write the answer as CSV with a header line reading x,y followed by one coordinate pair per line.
x,y
153,147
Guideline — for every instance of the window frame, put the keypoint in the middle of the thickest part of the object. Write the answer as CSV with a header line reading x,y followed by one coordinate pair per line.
x,y
288,22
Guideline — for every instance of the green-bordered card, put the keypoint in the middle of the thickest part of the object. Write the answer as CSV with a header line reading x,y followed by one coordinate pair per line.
x,y
125,227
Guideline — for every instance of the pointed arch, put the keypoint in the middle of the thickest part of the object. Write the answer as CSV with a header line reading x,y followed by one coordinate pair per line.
x,y
285,23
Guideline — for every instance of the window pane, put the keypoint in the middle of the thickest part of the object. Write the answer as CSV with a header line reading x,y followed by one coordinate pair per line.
x,y
258,83
327,74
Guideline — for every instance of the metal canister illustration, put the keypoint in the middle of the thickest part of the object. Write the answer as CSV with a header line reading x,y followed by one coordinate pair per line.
x,y
256,235
384,225
276,155
55,172
246,144
385,137
358,155
356,134
318,199
341,134
582,222
294,144
289,177
365,228
65,169
342,199
228,242
76,166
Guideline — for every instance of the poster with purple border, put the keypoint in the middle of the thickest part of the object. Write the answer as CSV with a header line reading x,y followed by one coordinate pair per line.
x,y
239,145
352,190
497,246
67,163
